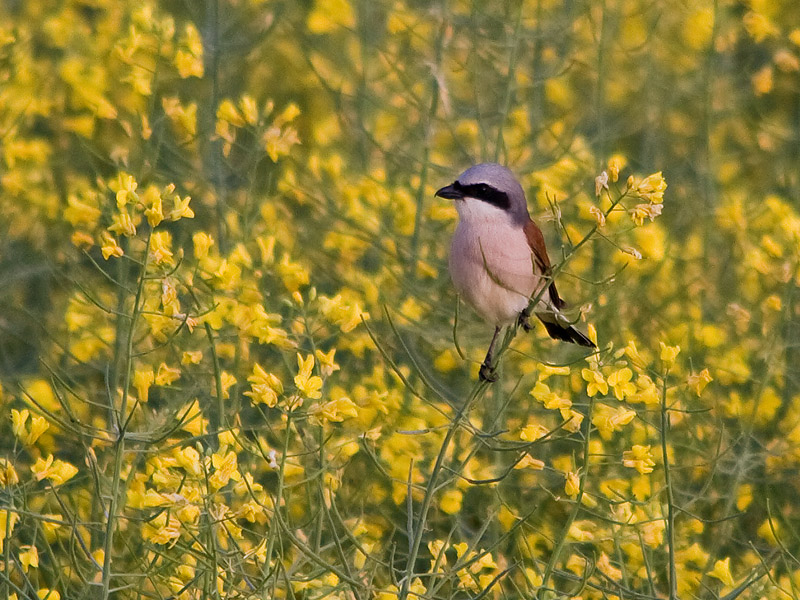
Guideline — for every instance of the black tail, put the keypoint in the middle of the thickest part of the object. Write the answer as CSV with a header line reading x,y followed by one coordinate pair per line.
x,y
568,334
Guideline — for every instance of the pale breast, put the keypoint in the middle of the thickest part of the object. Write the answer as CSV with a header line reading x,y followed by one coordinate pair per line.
x,y
492,269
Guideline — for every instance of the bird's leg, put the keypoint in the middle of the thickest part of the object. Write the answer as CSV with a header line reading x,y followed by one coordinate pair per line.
x,y
524,319
487,373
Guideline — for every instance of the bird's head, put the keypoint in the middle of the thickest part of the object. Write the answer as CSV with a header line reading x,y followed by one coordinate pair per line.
x,y
486,191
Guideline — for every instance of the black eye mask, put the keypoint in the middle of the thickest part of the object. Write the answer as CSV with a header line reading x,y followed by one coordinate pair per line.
x,y
485,192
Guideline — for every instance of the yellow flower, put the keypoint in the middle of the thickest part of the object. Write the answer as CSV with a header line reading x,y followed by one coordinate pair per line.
x,y
759,26
653,532
551,400
278,142
180,209
768,529
327,365
189,460
694,554
109,246
249,110
57,471
632,352
669,354
80,211
722,571
183,118
620,381
162,529
437,550
29,557
450,502
147,131
698,382
608,420
698,28
19,420
486,561
572,420
646,392
337,410
202,242
445,361
227,381
167,375
744,496
189,57
252,512
644,211
417,589
122,224
142,380
292,274
192,420
288,114
125,187
82,240
615,164
264,387
639,458
192,357
309,386
527,462
651,188
341,312
460,549
228,113
8,475
572,484
598,215
7,523
160,247
545,371
533,432
327,15
50,524
582,531
48,594
225,469
154,211
533,578
595,381
604,566
38,426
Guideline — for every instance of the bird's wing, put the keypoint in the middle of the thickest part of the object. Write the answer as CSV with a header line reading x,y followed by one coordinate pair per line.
x,y
539,250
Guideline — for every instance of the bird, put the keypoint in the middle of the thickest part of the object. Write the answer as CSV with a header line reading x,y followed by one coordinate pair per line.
x,y
498,260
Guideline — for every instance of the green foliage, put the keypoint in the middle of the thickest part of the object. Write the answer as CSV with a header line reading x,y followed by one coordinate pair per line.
x,y
232,361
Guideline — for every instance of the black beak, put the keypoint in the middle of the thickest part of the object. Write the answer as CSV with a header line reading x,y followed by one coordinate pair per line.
x,y
450,192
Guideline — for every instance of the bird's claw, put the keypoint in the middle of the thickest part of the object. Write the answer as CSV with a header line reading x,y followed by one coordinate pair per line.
x,y
524,320
487,373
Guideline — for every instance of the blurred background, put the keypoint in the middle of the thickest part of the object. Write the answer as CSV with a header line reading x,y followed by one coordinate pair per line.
x,y
225,298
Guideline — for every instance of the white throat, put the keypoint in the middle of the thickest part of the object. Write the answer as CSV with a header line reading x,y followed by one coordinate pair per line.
x,y
474,211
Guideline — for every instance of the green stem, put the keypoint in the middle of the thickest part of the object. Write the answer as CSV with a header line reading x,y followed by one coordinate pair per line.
x,y
423,177
512,66
217,422
119,444
431,488
561,541
673,576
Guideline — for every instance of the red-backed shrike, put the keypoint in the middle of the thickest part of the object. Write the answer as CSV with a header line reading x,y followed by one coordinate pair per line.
x,y
498,259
